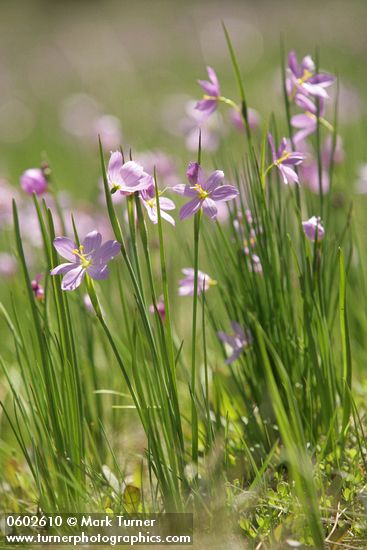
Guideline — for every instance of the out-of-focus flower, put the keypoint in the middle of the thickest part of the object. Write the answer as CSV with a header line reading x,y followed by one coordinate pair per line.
x,y
237,120
90,257
126,177
161,308
302,77
205,192
163,164
307,121
8,264
211,129
238,341
361,185
211,89
149,200
33,180
108,127
284,160
310,171
186,285
313,229
7,193
37,288
255,264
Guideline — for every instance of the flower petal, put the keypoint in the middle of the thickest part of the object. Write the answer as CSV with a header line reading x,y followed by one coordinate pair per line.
x,y
107,252
65,247
92,242
114,167
190,208
210,208
224,193
98,272
166,204
214,180
62,269
73,278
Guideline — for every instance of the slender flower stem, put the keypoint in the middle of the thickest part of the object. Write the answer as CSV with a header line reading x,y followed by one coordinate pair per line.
x,y
194,417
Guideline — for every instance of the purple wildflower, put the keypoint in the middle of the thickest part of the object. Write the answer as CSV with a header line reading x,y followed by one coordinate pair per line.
x,y
237,120
313,229
284,160
303,78
186,285
160,308
33,180
126,177
8,264
149,200
37,288
90,257
310,170
205,192
307,121
211,88
238,341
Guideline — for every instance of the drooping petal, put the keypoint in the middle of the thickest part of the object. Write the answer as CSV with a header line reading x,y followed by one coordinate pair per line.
x,y
92,242
305,103
166,204
167,217
73,278
303,121
206,106
224,193
210,208
190,208
288,174
185,190
65,247
63,268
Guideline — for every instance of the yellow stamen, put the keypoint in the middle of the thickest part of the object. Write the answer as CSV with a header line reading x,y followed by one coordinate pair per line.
x,y
306,75
79,252
201,192
283,158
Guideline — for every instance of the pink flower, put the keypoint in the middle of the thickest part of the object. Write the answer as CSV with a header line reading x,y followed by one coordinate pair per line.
x,y
161,308
186,285
204,192
313,229
211,88
149,200
33,180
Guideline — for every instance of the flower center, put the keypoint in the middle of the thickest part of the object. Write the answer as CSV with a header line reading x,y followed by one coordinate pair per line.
x,y
306,75
115,187
84,260
283,158
201,192
151,203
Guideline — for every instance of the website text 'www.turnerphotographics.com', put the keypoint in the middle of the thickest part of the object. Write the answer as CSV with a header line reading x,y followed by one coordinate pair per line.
x,y
98,529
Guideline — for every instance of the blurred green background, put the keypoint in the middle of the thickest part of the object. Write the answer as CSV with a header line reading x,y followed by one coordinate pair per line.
x,y
63,64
